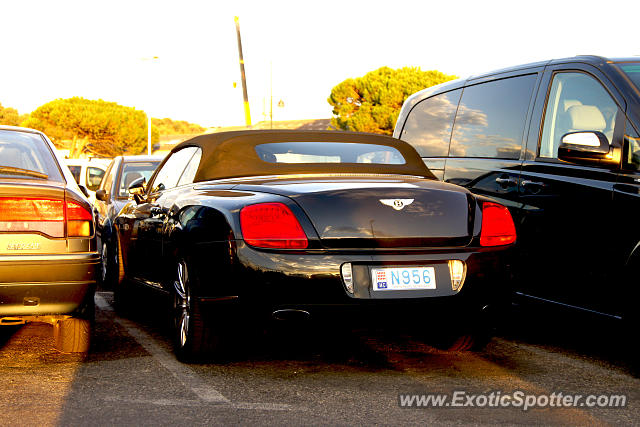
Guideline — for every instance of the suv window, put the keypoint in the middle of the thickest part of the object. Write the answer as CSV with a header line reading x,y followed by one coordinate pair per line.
x,y
576,102
429,124
171,171
491,118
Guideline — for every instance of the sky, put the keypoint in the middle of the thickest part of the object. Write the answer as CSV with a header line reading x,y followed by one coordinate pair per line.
x,y
179,59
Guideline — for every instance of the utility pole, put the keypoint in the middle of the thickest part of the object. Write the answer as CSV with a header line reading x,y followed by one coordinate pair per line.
x,y
247,114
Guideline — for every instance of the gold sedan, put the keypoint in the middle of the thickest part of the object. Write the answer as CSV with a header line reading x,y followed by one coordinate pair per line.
x,y
48,256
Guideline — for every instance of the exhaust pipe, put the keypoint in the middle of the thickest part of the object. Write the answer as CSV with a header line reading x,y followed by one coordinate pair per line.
x,y
291,314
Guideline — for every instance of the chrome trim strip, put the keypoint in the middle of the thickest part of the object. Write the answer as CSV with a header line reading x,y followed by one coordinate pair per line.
x,y
57,258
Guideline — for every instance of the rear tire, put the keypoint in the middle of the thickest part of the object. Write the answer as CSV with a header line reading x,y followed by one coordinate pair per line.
x,y
193,336
472,335
72,335
463,342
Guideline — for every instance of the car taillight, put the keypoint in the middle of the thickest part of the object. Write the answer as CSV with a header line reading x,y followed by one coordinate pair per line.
x,y
20,215
79,220
272,225
497,225
47,216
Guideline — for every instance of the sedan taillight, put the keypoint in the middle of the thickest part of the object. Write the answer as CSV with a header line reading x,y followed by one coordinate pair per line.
x,y
79,220
272,225
47,216
497,225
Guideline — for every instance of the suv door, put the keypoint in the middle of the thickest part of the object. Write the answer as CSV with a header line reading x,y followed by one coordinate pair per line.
x,y
566,231
626,199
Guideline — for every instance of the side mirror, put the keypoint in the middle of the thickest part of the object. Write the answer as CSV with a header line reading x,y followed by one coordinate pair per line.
x,y
137,188
84,190
589,147
102,195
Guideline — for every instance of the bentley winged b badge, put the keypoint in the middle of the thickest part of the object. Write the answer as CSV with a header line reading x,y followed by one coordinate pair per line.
x,y
396,204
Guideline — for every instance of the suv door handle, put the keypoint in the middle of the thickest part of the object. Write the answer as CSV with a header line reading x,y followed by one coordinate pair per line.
x,y
526,182
506,182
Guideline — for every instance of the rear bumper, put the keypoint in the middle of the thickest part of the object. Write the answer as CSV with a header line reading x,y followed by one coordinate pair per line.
x,y
46,284
268,281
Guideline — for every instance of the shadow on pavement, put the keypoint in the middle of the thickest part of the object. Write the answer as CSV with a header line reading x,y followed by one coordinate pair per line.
x,y
605,341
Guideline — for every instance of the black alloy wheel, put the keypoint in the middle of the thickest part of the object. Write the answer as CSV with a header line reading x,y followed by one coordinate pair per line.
x,y
193,336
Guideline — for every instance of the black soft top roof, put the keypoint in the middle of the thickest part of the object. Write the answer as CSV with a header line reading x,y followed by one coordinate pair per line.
x,y
233,154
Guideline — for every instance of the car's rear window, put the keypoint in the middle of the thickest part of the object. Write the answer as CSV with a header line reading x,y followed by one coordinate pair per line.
x,y
329,152
632,70
27,156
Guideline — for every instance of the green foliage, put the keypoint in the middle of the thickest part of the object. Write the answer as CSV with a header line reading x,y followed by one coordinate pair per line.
x,y
176,127
103,128
372,103
9,116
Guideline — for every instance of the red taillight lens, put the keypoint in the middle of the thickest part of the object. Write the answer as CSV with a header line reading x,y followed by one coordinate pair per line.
x,y
25,215
272,225
497,225
79,220
47,216
30,209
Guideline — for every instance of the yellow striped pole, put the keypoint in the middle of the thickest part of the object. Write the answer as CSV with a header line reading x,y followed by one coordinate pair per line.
x,y
247,114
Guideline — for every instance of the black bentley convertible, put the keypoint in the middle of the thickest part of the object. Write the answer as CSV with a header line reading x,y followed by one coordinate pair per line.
x,y
240,227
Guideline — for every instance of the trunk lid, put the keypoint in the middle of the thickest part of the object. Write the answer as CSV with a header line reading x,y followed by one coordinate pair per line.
x,y
383,213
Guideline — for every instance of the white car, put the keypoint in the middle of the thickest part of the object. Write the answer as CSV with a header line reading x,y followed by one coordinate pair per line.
x,y
88,173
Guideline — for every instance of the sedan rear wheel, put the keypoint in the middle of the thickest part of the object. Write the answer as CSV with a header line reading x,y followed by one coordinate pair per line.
x,y
193,335
72,335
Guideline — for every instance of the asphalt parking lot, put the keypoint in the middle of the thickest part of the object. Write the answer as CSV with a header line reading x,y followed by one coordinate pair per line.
x,y
312,376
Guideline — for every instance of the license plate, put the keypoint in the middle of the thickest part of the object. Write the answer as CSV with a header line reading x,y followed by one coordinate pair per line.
x,y
403,278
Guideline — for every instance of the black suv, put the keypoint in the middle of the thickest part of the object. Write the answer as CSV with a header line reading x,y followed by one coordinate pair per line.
x,y
557,142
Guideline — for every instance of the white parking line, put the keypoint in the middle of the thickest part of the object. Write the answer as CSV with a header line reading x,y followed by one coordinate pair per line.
x,y
182,373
